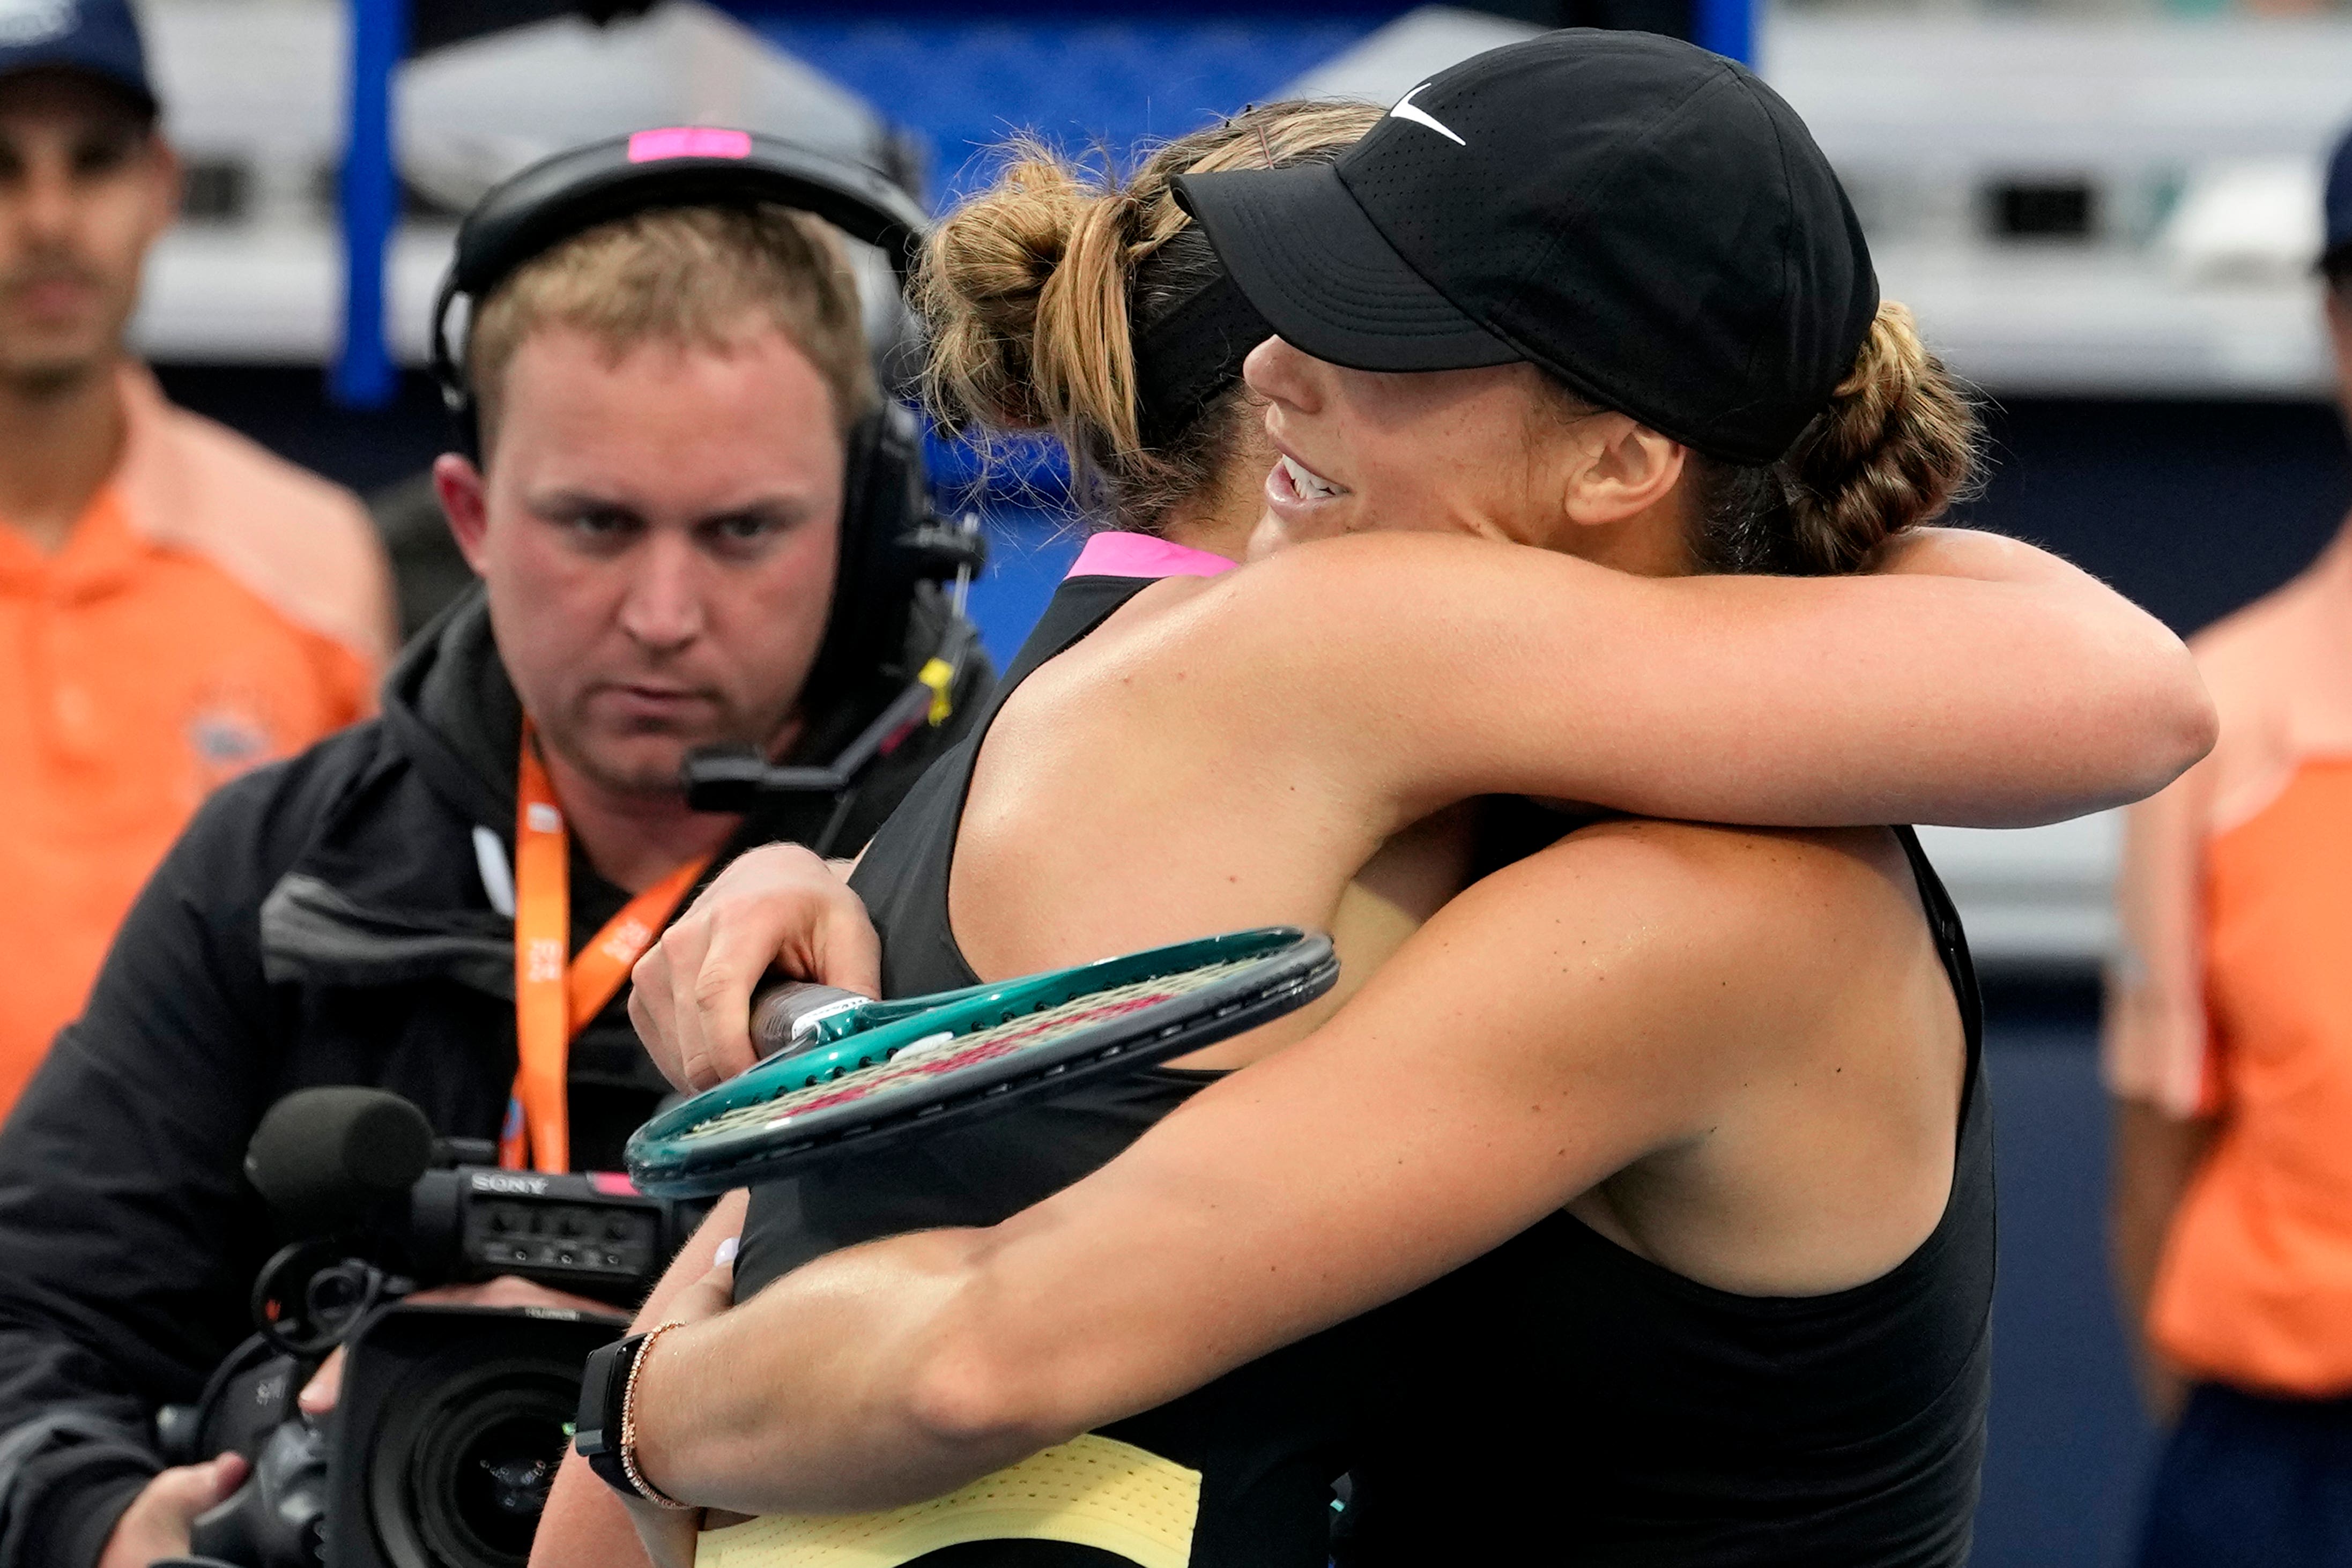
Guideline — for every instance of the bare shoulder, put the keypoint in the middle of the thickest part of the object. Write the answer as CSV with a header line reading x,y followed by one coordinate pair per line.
x,y
1739,871
1128,673
1701,899
2243,655
1756,914
2276,671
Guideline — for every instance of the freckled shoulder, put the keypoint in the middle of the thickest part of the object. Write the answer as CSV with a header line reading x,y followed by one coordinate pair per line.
x,y
1784,911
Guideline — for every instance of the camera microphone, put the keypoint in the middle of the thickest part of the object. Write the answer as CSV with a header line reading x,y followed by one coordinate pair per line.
x,y
324,1158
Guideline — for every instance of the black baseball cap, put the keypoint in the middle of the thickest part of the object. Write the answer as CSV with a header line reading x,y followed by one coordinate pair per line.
x,y
94,37
1644,220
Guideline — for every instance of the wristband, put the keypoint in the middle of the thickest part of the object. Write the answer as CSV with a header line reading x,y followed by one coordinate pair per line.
x,y
605,1430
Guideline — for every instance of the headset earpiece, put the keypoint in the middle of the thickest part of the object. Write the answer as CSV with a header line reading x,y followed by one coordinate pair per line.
x,y
886,516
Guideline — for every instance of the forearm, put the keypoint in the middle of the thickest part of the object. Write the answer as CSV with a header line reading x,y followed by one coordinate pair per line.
x,y
1905,698
585,1524
79,1443
842,1387
1965,698
83,1362
2155,1158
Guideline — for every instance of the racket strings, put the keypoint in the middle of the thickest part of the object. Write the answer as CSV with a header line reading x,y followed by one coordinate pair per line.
x,y
1013,1032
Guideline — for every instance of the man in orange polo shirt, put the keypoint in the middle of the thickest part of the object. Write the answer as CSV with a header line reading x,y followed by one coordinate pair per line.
x,y
2229,1051
176,604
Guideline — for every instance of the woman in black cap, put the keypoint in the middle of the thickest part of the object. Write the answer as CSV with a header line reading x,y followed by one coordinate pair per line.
x,y
1708,1095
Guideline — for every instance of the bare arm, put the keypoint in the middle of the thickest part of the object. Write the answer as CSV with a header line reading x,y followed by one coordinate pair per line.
x,y
1268,1208
2156,1153
1978,683
2154,1054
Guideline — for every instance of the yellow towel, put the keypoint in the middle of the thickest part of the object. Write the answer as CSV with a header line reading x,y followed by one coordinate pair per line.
x,y
1092,1491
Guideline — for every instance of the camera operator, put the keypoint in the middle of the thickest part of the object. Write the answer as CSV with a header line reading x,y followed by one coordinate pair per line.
x,y
691,512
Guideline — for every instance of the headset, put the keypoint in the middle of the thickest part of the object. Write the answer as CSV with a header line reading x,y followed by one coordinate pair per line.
x,y
891,542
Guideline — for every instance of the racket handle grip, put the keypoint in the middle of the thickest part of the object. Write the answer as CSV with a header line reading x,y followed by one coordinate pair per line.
x,y
787,1019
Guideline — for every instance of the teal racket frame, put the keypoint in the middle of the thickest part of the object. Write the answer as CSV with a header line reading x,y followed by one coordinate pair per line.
x,y
1280,970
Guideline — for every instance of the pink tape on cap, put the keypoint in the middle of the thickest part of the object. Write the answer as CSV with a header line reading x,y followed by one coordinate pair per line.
x,y
688,142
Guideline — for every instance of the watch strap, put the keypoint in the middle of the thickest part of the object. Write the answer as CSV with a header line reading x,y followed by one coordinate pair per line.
x,y
603,1431
597,1427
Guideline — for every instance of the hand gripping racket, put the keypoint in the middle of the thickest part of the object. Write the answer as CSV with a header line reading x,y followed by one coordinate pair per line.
x,y
857,1076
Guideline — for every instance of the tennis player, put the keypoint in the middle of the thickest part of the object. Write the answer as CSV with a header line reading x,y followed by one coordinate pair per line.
x,y
1731,1063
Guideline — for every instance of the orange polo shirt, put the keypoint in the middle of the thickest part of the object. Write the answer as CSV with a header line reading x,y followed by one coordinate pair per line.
x,y
2236,1002
213,607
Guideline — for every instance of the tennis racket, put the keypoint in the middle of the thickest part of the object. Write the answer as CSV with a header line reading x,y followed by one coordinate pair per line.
x,y
857,1076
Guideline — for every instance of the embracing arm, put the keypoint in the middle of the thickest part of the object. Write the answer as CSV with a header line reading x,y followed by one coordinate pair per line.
x,y
1429,1121
1978,682
2155,1056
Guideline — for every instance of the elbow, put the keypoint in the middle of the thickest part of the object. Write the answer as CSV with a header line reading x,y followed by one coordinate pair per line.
x,y
976,1393
2183,724
2150,721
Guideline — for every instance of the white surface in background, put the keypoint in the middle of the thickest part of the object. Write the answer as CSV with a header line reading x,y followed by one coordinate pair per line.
x,y
273,296
1924,94
2228,116
471,114
2253,222
2059,321
261,83
1416,45
2034,898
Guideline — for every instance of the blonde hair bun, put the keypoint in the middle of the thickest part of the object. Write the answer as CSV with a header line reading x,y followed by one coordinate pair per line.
x,y
1033,291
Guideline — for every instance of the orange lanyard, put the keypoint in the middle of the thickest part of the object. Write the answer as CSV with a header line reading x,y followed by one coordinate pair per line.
x,y
553,1001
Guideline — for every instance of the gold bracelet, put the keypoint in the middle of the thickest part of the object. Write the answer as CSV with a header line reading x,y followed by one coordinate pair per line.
x,y
645,1488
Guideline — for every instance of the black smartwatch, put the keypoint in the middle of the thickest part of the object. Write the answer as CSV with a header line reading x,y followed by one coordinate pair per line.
x,y
604,1392
601,1432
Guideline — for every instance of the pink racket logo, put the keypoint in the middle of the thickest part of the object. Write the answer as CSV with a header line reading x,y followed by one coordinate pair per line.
x,y
688,142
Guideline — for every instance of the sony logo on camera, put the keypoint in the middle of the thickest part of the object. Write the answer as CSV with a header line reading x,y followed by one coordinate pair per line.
x,y
508,1182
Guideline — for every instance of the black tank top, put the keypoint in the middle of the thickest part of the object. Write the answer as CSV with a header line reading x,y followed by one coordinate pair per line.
x,y
1561,1400
1496,1410
1267,1438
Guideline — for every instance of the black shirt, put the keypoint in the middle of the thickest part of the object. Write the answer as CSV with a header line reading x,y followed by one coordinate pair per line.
x,y
1562,1400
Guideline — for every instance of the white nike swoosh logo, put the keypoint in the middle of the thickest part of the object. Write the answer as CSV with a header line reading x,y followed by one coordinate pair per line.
x,y
1407,110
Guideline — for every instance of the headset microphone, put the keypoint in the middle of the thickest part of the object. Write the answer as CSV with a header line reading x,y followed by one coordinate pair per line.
x,y
737,777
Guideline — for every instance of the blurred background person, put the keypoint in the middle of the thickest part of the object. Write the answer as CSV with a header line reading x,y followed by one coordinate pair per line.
x,y
675,407
176,605
2228,1053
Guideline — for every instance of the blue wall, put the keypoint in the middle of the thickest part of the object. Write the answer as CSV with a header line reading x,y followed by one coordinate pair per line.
x,y
1081,75
2068,1447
